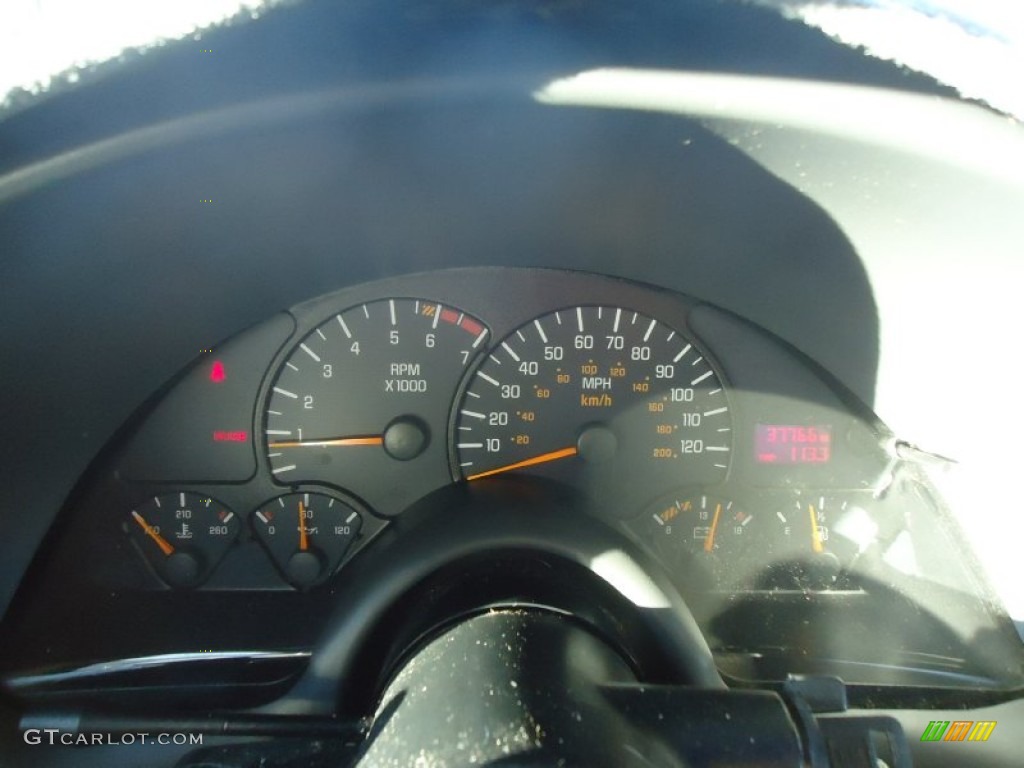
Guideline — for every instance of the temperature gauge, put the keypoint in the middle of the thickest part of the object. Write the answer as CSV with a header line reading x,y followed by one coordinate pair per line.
x,y
306,534
182,535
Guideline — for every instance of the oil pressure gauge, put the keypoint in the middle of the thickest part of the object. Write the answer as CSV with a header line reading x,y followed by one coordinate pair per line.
x,y
306,534
182,535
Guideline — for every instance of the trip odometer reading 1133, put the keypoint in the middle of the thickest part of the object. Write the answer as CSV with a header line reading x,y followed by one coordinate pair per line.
x,y
605,399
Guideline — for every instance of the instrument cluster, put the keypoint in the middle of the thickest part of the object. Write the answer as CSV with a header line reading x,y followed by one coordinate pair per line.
x,y
277,456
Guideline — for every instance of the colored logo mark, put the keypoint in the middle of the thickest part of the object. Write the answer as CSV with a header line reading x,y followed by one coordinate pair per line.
x,y
958,730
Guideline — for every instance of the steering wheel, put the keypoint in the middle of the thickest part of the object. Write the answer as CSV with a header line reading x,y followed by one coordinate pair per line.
x,y
492,623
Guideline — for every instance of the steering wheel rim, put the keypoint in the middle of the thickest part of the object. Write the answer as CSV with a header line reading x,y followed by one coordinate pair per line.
x,y
455,531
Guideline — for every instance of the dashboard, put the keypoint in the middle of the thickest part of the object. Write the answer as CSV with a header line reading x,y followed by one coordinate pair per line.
x,y
424,422
331,354
273,460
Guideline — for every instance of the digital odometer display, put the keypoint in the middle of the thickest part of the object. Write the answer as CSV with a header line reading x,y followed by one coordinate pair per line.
x,y
792,444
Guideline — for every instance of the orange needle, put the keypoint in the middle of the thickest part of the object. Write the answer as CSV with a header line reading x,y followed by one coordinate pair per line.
x,y
815,533
161,542
303,538
371,440
542,459
709,542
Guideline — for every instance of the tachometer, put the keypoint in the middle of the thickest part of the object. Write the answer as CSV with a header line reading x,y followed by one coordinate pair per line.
x,y
369,391
604,398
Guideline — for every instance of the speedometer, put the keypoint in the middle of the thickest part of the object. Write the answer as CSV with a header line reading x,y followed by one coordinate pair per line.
x,y
603,398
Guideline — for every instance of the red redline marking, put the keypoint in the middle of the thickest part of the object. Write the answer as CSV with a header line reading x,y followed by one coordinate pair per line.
x,y
472,326
449,316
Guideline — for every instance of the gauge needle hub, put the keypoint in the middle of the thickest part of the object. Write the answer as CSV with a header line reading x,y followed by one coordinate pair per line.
x,y
330,442
544,458
165,546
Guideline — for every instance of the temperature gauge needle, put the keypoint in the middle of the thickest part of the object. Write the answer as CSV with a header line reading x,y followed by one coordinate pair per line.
x,y
333,441
542,459
161,542
303,536
709,542
815,533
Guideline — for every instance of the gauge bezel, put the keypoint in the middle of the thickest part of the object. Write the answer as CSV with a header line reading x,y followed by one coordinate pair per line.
x,y
677,325
386,499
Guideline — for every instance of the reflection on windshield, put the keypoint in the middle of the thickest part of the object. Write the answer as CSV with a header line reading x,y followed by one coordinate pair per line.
x,y
976,46
46,43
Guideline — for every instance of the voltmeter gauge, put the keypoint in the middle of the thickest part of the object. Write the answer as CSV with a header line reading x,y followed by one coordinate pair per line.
x,y
306,534
701,525
716,541
182,535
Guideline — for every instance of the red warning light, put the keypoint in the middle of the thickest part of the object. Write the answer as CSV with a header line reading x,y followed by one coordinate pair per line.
x,y
224,436
217,374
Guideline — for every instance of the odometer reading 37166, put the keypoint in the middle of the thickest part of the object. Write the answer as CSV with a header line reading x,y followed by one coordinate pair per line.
x,y
603,398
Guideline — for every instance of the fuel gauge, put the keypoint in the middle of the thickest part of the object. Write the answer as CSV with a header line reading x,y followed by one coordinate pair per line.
x,y
838,527
821,555
182,535
306,534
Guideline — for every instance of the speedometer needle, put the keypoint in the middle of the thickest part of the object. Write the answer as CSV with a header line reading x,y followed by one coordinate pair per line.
x,y
362,440
542,459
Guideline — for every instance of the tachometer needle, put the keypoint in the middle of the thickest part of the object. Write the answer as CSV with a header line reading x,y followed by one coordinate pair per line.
x,y
343,441
303,536
542,459
816,544
709,542
161,542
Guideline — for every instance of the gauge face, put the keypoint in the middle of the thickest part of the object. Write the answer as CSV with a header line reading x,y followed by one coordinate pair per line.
x,y
306,534
835,527
717,541
183,535
702,535
606,399
366,395
702,523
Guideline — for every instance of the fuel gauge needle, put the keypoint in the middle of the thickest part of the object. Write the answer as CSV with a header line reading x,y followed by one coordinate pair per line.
x,y
709,542
544,458
332,441
303,536
816,544
161,542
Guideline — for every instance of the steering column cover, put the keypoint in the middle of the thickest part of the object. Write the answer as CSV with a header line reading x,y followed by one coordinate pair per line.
x,y
534,688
